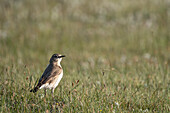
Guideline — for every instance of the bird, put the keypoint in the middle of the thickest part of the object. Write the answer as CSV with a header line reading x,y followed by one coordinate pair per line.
x,y
51,76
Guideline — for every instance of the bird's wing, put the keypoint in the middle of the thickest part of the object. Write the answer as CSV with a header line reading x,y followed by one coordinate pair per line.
x,y
46,72
50,76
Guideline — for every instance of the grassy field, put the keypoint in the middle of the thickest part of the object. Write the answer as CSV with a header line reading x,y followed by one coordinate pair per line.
x,y
118,55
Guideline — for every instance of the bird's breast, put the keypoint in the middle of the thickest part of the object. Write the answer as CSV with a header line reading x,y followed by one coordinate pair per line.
x,y
58,79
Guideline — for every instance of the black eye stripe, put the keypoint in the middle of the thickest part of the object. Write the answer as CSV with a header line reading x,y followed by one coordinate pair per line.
x,y
58,56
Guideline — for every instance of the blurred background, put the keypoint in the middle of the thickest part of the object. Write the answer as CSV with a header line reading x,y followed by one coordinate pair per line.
x,y
31,31
122,35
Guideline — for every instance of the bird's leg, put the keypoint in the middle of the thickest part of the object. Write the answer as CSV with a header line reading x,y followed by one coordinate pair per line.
x,y
53,102
45,92
52,92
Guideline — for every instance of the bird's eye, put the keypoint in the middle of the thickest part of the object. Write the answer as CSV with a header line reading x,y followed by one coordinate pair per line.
x,y
55,56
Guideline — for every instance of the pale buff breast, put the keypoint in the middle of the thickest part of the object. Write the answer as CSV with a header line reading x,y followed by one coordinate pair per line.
x,y
53,84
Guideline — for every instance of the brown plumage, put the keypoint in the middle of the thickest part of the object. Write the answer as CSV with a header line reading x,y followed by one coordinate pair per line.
x,y
52,74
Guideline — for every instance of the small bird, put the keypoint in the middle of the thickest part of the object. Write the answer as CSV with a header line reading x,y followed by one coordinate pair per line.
x,y
51,76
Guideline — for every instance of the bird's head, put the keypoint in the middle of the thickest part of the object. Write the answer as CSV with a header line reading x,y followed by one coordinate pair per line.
x,y
56,58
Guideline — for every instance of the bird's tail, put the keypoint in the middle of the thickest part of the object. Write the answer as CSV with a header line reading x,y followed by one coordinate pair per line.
x,y
34,89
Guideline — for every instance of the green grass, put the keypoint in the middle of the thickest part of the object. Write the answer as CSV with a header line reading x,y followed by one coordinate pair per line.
x,y
118,50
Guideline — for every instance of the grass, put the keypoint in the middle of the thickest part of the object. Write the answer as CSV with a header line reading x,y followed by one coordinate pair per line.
x,y
117,55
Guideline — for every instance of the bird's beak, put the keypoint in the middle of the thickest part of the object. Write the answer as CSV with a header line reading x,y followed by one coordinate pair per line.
x,y
62,56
